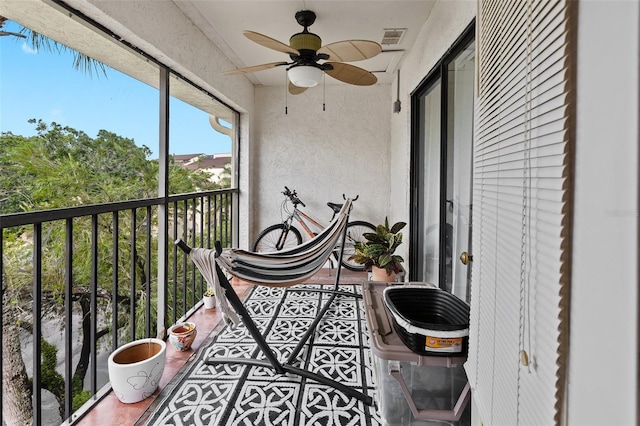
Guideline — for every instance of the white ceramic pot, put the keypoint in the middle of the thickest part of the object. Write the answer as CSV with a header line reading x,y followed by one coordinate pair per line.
x,y
135,369
209,302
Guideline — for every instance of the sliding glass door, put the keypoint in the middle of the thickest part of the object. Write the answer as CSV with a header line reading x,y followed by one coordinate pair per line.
x,y
442,148
429,188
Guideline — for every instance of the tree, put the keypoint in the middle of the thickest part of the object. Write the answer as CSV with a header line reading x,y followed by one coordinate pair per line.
x,y
225,176
17,393
63,167
13,388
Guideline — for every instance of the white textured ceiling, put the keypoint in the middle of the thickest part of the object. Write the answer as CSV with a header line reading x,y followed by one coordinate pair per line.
x,y
223,22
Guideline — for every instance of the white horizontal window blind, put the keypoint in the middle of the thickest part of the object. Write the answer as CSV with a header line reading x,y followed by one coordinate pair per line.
x,y
522,210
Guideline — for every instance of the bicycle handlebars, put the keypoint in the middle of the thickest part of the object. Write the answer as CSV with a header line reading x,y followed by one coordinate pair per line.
x,y
293,196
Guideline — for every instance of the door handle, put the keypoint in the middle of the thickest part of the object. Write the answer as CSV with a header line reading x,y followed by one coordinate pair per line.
x,y
466,258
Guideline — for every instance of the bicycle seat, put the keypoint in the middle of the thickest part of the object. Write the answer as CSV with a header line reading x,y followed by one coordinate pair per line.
x,y
335,207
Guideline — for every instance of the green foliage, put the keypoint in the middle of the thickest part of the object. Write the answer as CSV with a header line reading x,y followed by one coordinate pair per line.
x,y
64,167
379,248
54,381
60,167
51,379
80,398
225,177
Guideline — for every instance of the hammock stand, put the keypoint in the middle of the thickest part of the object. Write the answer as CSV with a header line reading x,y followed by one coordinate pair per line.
x,y
280,269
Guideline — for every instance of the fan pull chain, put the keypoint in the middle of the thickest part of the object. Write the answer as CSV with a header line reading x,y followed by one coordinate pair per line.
x,y
324,92
286,96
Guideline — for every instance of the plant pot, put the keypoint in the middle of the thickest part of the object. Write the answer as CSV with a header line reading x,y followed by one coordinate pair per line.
x,y
209,302
182,335
135,369
380,274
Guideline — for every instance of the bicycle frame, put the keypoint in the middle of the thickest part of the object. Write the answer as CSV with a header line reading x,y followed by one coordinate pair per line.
x,y
285,234
301,216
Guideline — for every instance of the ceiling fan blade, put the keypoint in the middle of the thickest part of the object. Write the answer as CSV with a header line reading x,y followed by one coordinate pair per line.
x,y
254,68
351,74
269,42
351,50
296,90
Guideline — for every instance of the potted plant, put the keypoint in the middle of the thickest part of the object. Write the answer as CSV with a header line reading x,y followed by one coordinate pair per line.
x,y
209,298
377,252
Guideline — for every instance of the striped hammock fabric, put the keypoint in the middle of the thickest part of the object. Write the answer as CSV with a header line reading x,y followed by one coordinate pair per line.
x,y
276,269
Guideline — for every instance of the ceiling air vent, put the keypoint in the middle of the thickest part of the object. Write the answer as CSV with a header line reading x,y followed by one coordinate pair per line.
x,y
393,35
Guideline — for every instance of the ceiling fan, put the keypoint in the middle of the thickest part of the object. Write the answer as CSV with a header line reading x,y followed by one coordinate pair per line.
x,y
310,59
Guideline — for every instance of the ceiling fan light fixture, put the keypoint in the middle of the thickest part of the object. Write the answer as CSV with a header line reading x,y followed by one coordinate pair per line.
x,y
305,76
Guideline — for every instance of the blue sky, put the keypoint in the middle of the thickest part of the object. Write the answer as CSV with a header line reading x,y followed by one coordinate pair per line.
x,y
44,85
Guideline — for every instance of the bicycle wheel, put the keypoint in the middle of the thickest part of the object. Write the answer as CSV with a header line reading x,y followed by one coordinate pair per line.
x,y
267,240
355,231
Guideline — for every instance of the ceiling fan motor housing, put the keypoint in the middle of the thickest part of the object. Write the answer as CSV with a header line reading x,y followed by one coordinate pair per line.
x,y
305,41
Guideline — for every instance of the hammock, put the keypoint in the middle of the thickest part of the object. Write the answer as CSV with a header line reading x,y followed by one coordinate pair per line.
x,y
277,269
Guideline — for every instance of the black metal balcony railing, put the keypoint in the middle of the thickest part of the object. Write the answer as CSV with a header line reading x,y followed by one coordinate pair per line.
x,y
95,271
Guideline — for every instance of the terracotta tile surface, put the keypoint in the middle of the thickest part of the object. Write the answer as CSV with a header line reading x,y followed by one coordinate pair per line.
x,y
110,411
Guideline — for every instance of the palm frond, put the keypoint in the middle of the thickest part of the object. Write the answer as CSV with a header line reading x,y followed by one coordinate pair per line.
x,y
39,42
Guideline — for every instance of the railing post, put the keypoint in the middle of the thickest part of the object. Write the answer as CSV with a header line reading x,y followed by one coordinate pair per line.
x,y
37,325
68,330
147,272
163,192
132,294
2,284
115,279
95,261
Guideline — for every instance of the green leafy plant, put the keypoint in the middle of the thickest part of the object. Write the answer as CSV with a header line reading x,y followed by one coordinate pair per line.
x,y
209,292
379,248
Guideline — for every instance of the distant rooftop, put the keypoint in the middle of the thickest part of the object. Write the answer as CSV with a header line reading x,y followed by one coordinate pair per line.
x,y
202,161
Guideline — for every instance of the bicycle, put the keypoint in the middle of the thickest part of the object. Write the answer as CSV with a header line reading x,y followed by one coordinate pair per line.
x,y
285,235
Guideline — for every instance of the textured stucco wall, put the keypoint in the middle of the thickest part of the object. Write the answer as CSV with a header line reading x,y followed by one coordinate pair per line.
x,y
322,154
447,21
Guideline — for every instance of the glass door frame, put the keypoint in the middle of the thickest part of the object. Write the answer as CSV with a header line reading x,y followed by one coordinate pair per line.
x,y
437,74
